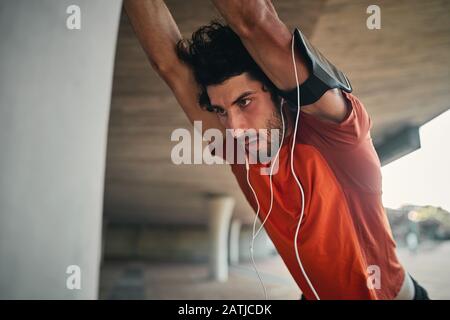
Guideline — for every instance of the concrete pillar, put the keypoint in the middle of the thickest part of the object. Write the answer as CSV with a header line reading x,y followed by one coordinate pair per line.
x,y
235,231
104,237
220,209
55,91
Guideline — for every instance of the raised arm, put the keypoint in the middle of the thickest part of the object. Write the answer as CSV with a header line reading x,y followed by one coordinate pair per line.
x,y
268,40
158,35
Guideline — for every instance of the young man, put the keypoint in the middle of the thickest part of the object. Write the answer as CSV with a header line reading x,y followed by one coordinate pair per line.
x,y
233,77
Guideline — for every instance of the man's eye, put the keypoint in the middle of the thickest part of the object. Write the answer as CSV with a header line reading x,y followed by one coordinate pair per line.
x,y
220,111
244,102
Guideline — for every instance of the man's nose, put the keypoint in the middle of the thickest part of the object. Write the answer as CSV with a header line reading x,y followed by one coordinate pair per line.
x,y
237,122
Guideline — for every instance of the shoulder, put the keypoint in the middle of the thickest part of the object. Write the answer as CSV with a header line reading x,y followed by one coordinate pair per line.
x,y
333,106
352,128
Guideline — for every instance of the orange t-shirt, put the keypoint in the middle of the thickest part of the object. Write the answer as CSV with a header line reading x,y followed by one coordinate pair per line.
x,y
344,228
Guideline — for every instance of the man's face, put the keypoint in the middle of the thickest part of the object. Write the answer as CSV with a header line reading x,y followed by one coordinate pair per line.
x,y
241,103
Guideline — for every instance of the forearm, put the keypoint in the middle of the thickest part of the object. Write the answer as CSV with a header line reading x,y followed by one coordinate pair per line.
x,y
156,31
266,38
243,16
158,35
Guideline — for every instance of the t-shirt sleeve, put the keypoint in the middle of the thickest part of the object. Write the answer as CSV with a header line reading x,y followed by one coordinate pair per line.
x,y
349,132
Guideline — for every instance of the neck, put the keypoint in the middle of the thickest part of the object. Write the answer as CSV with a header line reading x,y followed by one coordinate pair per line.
x,y
289,118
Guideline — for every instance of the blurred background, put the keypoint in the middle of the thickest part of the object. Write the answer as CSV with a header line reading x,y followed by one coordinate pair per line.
x,y
86,177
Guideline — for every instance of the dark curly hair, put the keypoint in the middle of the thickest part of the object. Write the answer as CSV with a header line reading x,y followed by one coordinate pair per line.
x,y
215,53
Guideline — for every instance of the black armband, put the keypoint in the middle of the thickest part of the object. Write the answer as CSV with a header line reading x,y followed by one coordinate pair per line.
x,y
323,75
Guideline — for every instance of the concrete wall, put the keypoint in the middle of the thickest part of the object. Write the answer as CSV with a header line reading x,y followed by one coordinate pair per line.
x,y
175,243
170,243
55,89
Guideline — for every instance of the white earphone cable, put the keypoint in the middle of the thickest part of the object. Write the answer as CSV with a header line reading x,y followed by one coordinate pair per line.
x,y
295,176
254,235
271,188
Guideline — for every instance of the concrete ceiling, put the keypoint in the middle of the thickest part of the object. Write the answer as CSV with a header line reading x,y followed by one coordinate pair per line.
x,y
400,72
